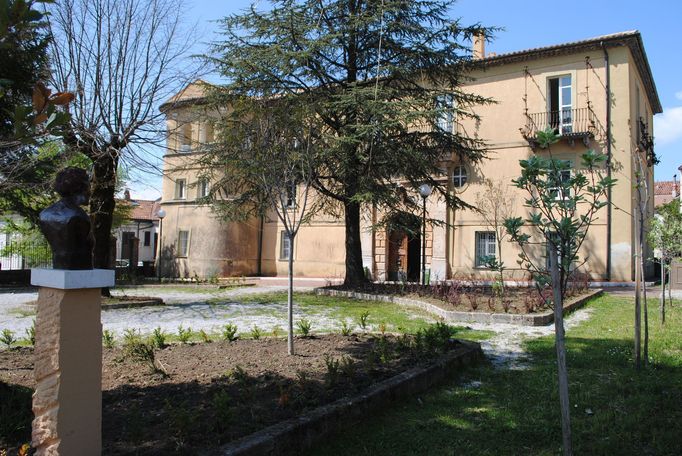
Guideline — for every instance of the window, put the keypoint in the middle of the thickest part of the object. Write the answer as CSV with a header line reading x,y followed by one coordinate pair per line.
x,y
560,104
147,238
181,189
183,243
558,191
291,196
485,246
459,176
208,128
186,138
202,188
446,117
285,246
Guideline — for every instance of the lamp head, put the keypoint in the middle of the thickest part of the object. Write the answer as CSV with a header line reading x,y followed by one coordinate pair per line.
x,y
425,190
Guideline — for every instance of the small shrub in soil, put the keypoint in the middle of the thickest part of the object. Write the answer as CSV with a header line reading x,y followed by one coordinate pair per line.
x,y
143,352
7,338
131,336
276,331
108,339
506,304
222,407
205,337
382,328
529,301
184,334
256,332
304,326
230,332
491,304
473,301
158,338
332,374
31,333
454,295
346,330
348,366
362,321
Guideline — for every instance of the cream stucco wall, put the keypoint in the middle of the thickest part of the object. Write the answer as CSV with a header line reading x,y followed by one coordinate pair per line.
x,y
518,89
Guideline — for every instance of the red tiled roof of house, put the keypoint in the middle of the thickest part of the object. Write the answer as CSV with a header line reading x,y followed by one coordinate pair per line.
x,y
143,209
665,192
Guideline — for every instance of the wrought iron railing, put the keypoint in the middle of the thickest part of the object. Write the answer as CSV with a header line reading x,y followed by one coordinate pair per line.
x,y
566,122
25,255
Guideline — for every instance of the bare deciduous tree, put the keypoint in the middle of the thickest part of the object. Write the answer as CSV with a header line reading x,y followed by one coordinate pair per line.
x,y
496,203
121,58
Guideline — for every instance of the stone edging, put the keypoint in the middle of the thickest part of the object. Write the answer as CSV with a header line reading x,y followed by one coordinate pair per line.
x,y
297,434
132,303
539,319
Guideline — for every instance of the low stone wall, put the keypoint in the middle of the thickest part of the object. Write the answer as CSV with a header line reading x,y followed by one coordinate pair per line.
x,y
535,319
301,433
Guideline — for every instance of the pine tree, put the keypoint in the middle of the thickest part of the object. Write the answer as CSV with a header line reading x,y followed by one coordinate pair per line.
x,y
384,79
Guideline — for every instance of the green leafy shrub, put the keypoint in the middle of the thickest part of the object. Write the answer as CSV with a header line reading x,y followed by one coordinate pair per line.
x,y
158,338
205,337
222,403
131,336
332,374
7,338
304,326
256,332
363,319
276,331
348,367
108,339
184,334
230,332
143,352
346,329
31,333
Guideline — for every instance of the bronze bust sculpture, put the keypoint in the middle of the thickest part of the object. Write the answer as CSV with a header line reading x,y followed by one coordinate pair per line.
x,y
65,225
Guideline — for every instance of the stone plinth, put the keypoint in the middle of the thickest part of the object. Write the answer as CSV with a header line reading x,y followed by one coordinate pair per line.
x,y
67,402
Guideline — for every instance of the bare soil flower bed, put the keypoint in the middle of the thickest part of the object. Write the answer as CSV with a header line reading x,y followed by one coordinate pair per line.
x,y
214,393
457,297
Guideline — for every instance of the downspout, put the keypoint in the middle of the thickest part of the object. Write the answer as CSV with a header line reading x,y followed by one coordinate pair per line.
x,y
608,161
259,260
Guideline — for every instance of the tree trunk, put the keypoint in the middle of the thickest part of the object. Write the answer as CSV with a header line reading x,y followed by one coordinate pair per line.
x,y
355,272
638,308
662,306
646,310
670,284
290,297
102,204
561,355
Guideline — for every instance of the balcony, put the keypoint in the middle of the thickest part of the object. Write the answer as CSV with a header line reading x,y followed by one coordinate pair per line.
x,y
571,124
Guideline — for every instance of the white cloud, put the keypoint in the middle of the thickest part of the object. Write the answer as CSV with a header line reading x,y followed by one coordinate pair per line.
x,y
668,126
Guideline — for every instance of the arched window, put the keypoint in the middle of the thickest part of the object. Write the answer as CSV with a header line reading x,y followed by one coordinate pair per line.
x,y
459,176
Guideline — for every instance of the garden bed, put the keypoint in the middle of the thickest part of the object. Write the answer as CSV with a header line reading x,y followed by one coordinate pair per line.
x,y
216,393
125,302
450,303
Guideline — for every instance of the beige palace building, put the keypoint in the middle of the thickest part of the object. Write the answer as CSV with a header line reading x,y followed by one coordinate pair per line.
x,y
599,93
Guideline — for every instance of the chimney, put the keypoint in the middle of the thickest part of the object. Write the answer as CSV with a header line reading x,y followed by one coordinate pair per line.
x,y
478,49
126,195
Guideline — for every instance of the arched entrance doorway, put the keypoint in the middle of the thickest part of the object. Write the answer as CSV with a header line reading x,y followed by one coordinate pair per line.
x,y
404,243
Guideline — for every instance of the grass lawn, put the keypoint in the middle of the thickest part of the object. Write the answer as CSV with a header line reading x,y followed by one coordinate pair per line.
x,y
488,411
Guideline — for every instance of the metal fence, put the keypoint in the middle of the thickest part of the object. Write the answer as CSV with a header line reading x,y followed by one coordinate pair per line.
x,y
17,255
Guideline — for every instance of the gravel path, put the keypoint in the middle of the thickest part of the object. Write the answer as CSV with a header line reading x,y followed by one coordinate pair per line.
x,y
190,309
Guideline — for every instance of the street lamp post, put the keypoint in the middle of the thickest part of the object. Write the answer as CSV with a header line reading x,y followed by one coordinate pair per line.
x,y
161,214
424,191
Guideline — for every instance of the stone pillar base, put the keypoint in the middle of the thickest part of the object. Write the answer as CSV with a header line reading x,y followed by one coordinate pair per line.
x,y
67,402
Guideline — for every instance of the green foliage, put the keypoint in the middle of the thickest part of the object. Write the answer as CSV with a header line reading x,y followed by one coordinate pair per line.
x,y
230,332
256,332
108,339
222,407
184,335
361,113
15,414
563,202
332,374
31,333
665,231
7,338
205,337
158,338
362,320
304,326
143,352
130,336
346,329
348,367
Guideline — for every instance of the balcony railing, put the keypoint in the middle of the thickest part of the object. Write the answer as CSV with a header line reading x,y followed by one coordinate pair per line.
x,y
569,123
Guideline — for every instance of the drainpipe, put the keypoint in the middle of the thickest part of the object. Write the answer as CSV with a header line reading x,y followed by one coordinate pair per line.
x,y
259,271
608,161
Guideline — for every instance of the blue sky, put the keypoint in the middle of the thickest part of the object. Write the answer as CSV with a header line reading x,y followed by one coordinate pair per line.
x,y
533,23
